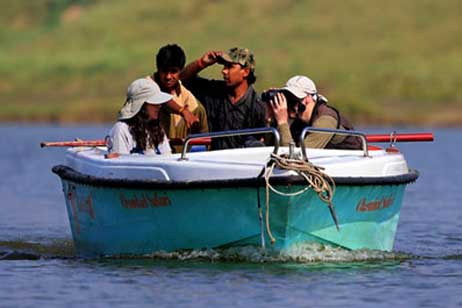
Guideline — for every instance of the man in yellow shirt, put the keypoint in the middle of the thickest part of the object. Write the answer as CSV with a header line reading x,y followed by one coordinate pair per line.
x,y
170,60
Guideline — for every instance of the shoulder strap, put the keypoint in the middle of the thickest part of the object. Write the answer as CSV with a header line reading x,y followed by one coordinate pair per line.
x,y
316,111
338,115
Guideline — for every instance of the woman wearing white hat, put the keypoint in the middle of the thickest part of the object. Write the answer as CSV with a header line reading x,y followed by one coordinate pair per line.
x,y
138,129
300,104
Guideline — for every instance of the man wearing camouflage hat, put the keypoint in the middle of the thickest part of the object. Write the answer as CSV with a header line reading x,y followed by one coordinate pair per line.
x,y
231,103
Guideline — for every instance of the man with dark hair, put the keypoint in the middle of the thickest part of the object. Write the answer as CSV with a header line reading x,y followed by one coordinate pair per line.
x,y
170,56
170,60
231,103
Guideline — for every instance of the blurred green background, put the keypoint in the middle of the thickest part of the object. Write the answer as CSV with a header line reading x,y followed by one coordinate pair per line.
x,y
380,62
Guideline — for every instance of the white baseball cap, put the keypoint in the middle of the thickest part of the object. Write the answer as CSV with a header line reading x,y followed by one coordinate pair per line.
x,y
300,86
142,91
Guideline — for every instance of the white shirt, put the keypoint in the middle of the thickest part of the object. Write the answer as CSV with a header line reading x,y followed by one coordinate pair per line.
x,y
121,141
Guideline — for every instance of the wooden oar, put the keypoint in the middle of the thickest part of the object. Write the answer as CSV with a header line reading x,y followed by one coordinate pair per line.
x,y
407,137
102,143
78,143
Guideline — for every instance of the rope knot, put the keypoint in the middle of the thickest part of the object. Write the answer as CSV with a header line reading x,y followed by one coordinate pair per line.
x,y
316,179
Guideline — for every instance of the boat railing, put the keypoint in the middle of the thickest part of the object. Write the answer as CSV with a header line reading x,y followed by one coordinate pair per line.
x,y
305,131
230,133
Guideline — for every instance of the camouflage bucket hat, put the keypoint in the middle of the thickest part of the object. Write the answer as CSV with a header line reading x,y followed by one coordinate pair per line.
x,y
243,56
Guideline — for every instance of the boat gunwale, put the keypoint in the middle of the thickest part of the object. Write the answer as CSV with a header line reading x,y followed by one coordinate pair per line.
x,y
67,173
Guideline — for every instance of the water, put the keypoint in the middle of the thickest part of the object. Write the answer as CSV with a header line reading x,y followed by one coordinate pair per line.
x,y
38,266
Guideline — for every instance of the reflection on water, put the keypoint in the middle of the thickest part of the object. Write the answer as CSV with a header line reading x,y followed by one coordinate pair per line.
x,y
20,250
300,253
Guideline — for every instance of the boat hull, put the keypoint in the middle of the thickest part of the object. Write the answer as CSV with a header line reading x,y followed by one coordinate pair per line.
x,y
110,217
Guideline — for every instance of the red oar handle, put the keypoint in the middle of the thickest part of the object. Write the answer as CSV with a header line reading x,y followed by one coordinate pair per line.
x,y
409,137
200,141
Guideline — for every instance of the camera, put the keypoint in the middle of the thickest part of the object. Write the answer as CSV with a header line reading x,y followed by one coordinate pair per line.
x,y
267,96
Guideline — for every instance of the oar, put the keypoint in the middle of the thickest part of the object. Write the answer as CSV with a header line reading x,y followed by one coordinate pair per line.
x,y
393,137
77,143
102,142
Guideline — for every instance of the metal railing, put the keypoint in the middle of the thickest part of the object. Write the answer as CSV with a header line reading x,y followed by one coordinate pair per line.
x,y
332,131
230,133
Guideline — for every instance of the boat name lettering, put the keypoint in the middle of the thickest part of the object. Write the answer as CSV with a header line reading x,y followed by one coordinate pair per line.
x,y
80,202
374,205
71,196
144,201
86,206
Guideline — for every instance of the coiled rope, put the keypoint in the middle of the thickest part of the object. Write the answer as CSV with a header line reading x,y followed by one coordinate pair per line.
x,y
317,180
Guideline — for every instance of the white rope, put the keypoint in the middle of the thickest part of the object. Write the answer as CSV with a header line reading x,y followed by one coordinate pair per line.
x,y
317,180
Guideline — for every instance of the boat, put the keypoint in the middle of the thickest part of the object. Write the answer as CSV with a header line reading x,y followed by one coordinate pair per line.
x,y
139,204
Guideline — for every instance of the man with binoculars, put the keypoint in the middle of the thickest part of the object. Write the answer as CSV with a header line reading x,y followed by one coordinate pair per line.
x,y
300,103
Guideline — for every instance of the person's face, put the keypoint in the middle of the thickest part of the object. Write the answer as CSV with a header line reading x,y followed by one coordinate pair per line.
x,y
152,111
169,77
293,106
234,74
304,113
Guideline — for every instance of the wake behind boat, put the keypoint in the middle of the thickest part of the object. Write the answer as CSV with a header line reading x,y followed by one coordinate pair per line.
x,y
138,204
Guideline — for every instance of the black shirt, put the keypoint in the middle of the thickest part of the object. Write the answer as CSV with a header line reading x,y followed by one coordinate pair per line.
x,y
222,114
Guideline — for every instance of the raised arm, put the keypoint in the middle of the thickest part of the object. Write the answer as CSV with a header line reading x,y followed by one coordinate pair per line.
x,y
193,68
173,107
189,118
279,110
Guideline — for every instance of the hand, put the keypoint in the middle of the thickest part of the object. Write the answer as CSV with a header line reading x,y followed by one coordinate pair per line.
x,y
269,114
279,107
211,57
190,119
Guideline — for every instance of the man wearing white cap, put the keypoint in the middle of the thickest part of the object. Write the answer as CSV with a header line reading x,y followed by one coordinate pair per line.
x,y
138,129
300,102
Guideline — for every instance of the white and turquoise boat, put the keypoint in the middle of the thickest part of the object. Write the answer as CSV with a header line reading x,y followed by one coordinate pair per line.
x,y
137,204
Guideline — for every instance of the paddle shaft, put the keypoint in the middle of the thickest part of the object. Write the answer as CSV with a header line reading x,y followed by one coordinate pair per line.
x,y
407,137
80,143
102,142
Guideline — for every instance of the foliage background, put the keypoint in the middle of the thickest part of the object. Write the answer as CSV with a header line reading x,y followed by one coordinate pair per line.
x,y
380,62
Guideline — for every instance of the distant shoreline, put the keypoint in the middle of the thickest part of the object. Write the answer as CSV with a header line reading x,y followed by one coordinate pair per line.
x,y
378,63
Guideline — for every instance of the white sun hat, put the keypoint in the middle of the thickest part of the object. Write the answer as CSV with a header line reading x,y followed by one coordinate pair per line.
x,y
139,92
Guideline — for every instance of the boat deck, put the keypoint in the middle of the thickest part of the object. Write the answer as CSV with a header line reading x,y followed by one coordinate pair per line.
x,y
225,164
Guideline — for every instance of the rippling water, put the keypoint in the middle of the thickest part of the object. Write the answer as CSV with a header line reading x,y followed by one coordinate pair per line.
x,y
38,266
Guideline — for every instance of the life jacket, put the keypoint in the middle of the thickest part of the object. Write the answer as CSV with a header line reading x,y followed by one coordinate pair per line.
x,y
322,109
